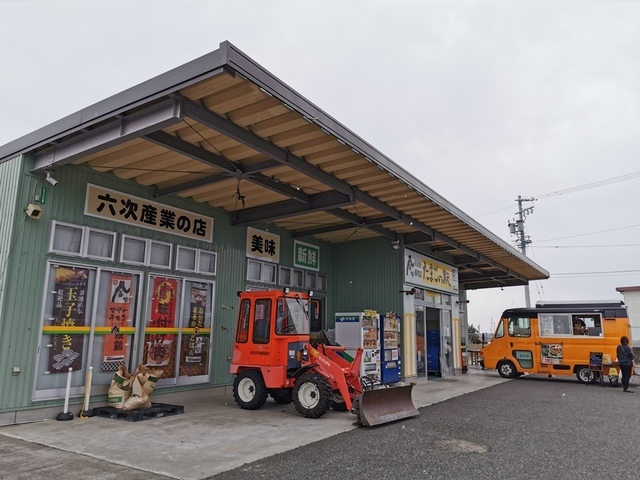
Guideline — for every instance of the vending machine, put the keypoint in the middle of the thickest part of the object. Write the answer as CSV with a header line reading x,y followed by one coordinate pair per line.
x,y
360,330
390,356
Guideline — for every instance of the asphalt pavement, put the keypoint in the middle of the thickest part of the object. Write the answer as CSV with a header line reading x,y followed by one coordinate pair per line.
x,y
471,425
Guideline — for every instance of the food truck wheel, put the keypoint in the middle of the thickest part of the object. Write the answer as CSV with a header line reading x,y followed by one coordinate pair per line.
x,y
585,375
507,370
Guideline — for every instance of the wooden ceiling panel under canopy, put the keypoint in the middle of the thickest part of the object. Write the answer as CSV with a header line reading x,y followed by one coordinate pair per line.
x,y
222,130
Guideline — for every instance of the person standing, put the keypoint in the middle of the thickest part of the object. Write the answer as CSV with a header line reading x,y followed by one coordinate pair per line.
x,y
625,360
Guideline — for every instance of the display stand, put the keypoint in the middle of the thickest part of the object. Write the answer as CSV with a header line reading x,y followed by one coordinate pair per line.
x,y
595,367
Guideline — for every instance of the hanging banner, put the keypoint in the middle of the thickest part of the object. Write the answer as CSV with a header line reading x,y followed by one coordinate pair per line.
x,y
163,315
113,350
69,310
194,354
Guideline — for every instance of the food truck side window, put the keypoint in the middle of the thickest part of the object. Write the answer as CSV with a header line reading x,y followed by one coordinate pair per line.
x,y
500,330
519,327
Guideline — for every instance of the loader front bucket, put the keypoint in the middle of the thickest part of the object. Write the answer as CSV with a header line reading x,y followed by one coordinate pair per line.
x,y
375,407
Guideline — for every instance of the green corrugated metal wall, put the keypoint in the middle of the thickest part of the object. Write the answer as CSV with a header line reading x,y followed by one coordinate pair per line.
x,y
65,202
11,224
370,277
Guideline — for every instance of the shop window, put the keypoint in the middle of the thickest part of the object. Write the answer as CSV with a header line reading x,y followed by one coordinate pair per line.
x,y
297,279
100,244
285,276
322,282
310,280
66,239
263,272
207,262
69,239
254,270
196,261
133,250
89,319
140,251
269,273
186,259
160,254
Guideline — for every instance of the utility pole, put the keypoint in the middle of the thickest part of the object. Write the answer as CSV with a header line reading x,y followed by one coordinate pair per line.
x,y
517,229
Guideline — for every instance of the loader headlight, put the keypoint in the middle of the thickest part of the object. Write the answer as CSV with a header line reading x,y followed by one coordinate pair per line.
x,y
302,355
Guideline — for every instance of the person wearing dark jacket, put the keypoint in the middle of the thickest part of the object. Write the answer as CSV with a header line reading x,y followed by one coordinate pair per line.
x,y
625,360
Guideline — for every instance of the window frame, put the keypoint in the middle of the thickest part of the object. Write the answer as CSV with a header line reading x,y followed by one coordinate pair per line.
x,y
198,253
85,241
264,267
148,246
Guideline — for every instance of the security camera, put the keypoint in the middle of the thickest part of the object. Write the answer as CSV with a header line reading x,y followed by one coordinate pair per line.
x,y
34,211
51,180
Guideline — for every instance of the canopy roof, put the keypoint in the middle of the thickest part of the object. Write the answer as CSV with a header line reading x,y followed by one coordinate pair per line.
x,y
224,131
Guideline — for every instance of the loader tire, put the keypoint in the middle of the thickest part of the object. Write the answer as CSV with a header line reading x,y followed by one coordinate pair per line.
x,y
312,395
338,403
249,390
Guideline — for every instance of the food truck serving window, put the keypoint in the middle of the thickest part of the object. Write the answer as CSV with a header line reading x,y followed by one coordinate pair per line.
x,y
566,324
519,327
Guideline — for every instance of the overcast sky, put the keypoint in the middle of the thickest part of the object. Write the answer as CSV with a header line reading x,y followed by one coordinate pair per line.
x,y
481,100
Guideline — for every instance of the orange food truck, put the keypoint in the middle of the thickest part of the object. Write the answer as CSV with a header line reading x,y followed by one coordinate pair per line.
x,y
559,338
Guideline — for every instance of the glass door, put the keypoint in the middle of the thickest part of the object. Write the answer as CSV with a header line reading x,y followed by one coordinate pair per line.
x,y
161,327
195,332
421,343
177,333
446,345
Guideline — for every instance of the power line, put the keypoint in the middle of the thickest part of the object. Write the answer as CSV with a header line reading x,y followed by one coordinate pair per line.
x,y
590,233
578,188
588,186
587,246
595,274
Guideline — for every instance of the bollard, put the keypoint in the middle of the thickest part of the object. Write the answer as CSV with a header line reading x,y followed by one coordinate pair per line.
x,y
66,414
85,412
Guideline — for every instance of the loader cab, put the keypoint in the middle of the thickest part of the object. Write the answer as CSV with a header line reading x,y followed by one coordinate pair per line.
x,y
269,322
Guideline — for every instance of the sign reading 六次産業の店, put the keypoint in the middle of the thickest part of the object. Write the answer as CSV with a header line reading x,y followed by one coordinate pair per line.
x,y
263,245
306,255
124,208
429,273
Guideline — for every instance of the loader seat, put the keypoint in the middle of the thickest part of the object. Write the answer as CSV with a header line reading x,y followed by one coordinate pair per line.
x,y
261,331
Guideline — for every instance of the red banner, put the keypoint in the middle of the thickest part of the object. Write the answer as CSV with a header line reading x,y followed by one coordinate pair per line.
x,y
69,310
118,307
163,315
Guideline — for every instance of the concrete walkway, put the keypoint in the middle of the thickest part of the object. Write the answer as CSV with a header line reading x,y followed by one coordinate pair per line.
x,y
213,435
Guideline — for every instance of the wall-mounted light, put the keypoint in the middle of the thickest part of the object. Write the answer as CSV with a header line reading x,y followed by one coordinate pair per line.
x,y
458,302
408,292
395,244
50,179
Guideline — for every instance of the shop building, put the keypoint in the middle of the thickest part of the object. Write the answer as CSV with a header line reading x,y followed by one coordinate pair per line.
x,y
129,227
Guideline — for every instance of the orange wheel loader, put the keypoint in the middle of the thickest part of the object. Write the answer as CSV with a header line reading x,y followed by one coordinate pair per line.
x,y
273,356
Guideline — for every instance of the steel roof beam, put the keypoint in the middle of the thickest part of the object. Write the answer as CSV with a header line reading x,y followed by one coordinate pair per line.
x,y
150,119
194,152
291,208
368,223
261,145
